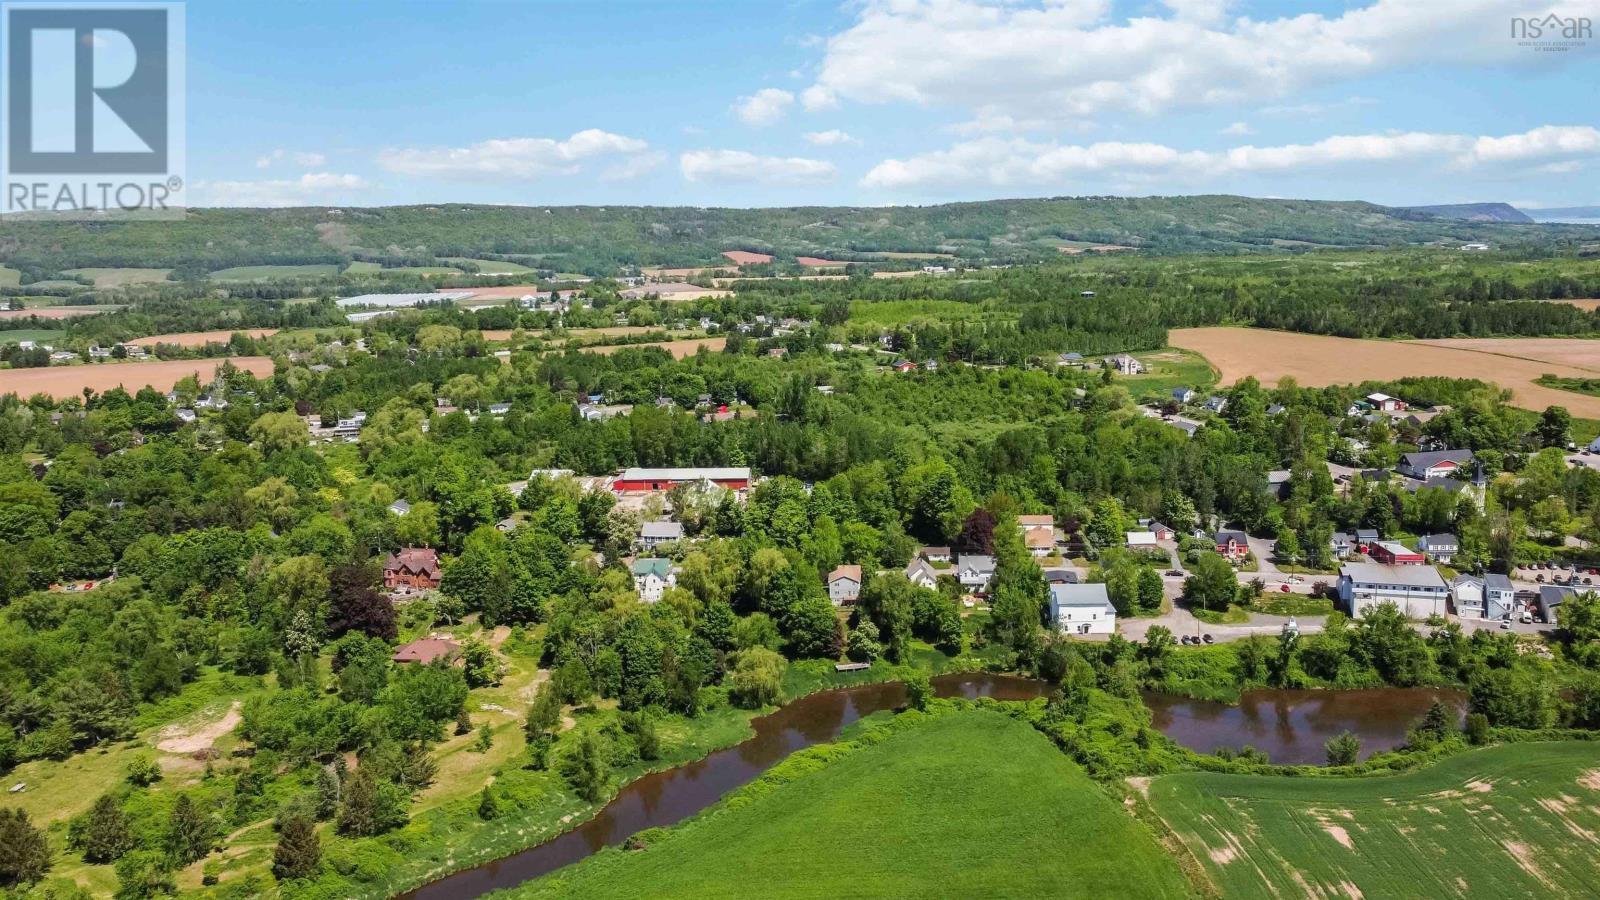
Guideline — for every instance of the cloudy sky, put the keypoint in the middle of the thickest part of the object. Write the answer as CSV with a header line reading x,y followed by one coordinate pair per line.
x,y
876,102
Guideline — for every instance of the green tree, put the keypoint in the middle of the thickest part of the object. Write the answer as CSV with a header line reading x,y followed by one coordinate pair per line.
x,y
586,767
757,678
544,717
1343,749
143,770
1152,591
488,804
1288,549
919,690
279,432
1554,428
105,833
299,850
191,832
1212,583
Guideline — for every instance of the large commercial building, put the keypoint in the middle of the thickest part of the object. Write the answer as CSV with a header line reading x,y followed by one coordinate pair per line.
x,y
1417,591
735,478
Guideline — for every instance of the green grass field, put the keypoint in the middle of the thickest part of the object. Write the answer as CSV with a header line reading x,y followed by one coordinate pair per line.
x,y
362,268
421,270
9,277
58,284
30,334
110,278
488,266
268,273
1166,369
899,312
969,804
1521,820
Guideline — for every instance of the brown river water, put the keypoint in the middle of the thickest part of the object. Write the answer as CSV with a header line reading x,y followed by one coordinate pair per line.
x,y
1291,726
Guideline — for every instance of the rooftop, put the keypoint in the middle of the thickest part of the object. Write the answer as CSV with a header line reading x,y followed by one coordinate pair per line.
x,y
1402,576
1085,595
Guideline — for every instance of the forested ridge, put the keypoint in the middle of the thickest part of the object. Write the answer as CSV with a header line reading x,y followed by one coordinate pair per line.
x,y
597,240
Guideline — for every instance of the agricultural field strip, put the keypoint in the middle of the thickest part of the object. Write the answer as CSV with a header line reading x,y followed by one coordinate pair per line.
x,y
1518,820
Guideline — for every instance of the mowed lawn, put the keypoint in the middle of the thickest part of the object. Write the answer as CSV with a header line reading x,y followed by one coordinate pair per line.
x,y
1513,821
268,273
972,804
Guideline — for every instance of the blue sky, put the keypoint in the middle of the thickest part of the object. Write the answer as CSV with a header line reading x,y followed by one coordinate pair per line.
x,y
885,101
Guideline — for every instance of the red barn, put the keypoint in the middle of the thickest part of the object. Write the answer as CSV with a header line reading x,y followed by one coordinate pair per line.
x,y
734,478
1394,553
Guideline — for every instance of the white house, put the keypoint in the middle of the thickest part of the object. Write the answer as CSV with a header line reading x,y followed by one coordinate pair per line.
x,y
1417,591
921,574
1435,463
1141,540
1489,597
974,571
844,585
1082,609
652,534
651,577
1386,403
1440,548
1125,364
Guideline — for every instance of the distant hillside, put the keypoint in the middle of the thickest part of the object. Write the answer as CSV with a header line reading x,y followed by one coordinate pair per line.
x,y
598,239
1475,212
1566,214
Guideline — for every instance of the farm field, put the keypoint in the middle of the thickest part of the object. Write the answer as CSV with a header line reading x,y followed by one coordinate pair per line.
x,y
679,349
488,266
1576,352
1167,369
110,278
30,334
201,338
56,312
361,267
9,277
1587,305
420,270
69,381
1512,821
503,334
1319,361
508,291
1007,810
267,273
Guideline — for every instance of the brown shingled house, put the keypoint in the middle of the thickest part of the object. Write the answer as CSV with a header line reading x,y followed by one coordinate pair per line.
x,y
414,567
427,650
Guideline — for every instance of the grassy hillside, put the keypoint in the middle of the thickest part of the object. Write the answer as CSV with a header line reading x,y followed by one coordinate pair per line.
x,y
1511,821
971,804
1476,212
595,240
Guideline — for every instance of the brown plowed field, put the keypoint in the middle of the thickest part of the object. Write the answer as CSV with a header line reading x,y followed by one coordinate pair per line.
x,y
1318,361
69,381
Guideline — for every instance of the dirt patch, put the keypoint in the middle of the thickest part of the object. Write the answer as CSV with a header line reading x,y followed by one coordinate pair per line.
x,y
1524,856
69,381
1590,779
56,312
201,338
679,349
1222,856
1350,890
1338,833
1480,787
1585,305
1320,361
1140,783
177,739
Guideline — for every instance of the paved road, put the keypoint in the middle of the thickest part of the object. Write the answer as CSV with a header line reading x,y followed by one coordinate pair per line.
x,y
1262,549
1180,621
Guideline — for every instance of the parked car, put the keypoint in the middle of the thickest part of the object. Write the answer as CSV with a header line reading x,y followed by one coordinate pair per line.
x,y
1206,638
1284,588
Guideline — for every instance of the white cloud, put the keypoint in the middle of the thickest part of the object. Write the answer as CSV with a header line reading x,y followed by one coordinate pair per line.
x,y
833,137
301,158
1016,162
1238,128
634,166
818,98
509,159
742,166
1073,58
310,189
764,107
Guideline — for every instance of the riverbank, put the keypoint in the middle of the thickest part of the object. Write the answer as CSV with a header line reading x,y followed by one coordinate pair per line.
x,y
1006,805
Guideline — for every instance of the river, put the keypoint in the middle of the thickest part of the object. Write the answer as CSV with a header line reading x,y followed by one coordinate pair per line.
x,y
1292,725
670,796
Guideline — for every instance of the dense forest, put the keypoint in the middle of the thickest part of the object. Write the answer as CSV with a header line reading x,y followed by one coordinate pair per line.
x,y
597,240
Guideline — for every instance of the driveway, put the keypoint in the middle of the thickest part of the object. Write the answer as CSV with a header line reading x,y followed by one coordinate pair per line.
x,y
1262,549
1180,621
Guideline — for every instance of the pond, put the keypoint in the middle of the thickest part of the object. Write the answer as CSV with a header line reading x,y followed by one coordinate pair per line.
x,y
670,796
1292,725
